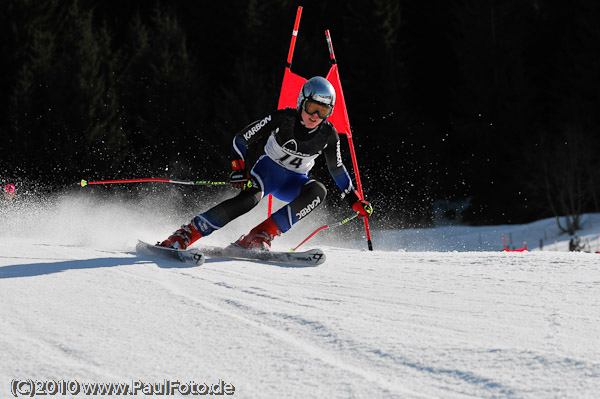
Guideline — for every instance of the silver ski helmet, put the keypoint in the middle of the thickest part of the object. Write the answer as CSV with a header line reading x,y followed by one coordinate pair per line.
x,y
319,93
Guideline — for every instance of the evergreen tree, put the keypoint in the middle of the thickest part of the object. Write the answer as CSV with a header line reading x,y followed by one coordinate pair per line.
x,y
63,104
565,173
162,102
493,104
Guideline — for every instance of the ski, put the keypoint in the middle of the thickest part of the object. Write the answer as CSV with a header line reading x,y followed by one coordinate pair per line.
x,y
192,257
313,257
197,256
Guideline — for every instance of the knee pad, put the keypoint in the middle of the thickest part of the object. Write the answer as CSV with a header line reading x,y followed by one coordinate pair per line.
x,y
312,195
314,189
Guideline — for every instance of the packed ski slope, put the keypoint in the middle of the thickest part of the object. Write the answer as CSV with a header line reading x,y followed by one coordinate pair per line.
x,y
77,304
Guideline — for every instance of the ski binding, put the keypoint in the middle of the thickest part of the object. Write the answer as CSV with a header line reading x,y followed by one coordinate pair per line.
x,y
192,257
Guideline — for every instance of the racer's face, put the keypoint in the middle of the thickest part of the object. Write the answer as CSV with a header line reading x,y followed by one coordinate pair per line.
x,y
310,121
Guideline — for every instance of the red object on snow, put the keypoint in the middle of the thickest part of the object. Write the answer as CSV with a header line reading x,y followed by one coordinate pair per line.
x,y
506,249
516,250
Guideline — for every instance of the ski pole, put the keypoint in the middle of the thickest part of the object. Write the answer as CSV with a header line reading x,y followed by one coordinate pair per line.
x,y
84,183
327,226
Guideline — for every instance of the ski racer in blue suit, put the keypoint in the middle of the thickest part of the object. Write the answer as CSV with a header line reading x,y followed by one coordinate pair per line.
x,y
296,137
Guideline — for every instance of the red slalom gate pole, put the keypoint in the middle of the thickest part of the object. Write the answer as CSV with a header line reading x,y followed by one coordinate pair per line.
x,y
345,122
287,71
294,37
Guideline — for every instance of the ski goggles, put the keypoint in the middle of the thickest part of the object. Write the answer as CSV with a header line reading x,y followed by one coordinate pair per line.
x,y
311,106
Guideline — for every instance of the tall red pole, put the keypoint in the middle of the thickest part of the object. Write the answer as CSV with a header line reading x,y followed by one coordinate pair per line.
x,y
287,71
345,122
294,37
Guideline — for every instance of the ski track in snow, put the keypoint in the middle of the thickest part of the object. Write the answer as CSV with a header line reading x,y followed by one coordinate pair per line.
x,y
77,304
363,325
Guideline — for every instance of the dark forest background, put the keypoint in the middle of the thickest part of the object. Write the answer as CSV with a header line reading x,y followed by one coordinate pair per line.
x,y
494,103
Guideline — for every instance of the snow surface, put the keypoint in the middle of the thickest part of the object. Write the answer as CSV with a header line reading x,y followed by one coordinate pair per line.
x,y
431,313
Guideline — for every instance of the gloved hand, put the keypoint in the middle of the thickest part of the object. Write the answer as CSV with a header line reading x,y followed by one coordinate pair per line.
x,y
363,208
238,177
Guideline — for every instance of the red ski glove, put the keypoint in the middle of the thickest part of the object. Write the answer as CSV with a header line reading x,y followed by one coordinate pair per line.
x,y
363,208
238,177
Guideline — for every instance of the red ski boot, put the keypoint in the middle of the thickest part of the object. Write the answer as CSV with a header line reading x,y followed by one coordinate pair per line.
x,y
259,237
182,238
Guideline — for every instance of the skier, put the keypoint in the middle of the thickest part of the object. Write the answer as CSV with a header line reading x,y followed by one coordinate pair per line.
x,y
296,138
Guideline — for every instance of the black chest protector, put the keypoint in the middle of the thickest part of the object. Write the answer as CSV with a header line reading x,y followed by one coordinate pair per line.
x,y
293,137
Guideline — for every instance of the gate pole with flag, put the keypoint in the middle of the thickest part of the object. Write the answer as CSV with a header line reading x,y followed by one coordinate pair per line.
x,y
288,97
290,81
342,123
